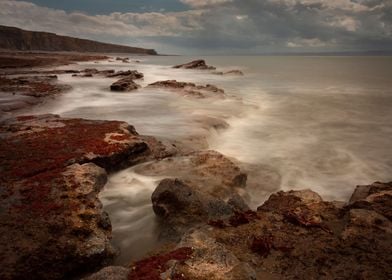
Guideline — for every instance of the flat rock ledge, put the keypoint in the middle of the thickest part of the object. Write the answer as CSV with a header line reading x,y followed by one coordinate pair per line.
x,y
52,225
190,89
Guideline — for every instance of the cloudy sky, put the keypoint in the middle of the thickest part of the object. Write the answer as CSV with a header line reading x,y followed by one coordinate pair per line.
x,y
213,26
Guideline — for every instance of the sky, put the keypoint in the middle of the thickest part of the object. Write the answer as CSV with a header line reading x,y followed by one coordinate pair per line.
x,y
214,26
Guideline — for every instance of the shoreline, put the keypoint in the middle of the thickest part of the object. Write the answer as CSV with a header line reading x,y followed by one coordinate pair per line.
x,y
201,225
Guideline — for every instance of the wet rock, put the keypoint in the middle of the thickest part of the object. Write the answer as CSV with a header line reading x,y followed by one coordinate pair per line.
x,y
376,197
293,235
230,72
132,74
190,89
123,59
37,88
110,273
51,222
125,84
207,187
199,64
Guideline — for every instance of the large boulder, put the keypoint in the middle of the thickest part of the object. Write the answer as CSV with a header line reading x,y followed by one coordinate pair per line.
x,y
52,225
199,64
125,84
204,186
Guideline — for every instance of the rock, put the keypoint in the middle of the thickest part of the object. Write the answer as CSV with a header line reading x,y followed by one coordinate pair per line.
x,y
110,273
293,235
132,74
51,222
376,197
230,72
123,59
190,89
206,187
196,64
234,72
36,87
125,84
208,171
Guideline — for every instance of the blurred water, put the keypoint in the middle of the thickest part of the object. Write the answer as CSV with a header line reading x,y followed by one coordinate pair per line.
x,y
323,123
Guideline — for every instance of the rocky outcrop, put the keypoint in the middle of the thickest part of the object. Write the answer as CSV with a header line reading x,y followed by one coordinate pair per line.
x,y
125,84
51,222
204,185
196,64
293,235
133,74
21,92
17,39
189,89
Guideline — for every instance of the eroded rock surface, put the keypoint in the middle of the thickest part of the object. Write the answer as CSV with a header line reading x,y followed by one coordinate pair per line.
x,y
125,84
51,222
190,89
199,64
203,185
295,235
21,92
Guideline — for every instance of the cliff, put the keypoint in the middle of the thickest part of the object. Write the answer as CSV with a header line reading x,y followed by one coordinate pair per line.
x,y
12,38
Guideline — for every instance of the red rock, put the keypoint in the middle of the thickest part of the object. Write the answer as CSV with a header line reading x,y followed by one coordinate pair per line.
x,y
51,222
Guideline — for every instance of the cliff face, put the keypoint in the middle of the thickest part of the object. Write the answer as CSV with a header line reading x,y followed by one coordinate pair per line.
x,y
13,38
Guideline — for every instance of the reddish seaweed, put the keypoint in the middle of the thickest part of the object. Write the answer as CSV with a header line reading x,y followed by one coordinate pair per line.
x,y
151,268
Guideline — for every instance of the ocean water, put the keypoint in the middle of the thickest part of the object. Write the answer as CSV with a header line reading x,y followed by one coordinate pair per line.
x,y
323,123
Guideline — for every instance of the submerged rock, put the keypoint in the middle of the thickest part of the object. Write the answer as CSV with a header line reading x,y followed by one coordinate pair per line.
x,y
125,84
23,92
190,89
196,64
51,222
230,72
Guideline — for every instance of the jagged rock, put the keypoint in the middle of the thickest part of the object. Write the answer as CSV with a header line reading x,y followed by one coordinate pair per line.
x,y
293,235
196,64
132,74
51,222
207,188
125,84
190,89
110,273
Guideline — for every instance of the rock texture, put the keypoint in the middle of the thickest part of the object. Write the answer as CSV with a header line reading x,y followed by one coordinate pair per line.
x,y
125,84
51,222
17,39
204,185
21,92
196,64
294,235
190,89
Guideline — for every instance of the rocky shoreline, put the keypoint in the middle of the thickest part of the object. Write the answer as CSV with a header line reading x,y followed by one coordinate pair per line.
x,y
52,225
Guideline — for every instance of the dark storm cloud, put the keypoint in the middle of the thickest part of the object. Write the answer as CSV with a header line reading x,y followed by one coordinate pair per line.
x,y
226,26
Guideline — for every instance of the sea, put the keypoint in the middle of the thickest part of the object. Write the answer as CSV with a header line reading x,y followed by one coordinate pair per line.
x,y
291,122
